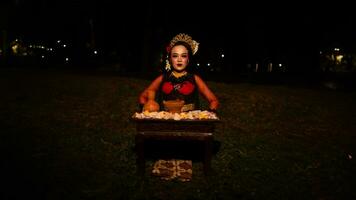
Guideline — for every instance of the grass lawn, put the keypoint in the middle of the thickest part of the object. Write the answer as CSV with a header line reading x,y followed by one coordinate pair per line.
x,y
67,135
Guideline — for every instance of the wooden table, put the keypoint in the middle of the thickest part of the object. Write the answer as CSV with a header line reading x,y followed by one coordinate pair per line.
x,y
161,129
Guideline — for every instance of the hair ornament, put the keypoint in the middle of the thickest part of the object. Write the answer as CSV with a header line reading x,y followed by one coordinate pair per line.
x,y
182,37
168,65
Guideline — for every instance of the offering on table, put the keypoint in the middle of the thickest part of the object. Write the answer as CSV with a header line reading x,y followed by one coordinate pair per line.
x,y
190,115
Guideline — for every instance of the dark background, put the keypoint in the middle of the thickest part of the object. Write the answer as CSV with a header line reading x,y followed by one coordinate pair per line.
x,y
137,31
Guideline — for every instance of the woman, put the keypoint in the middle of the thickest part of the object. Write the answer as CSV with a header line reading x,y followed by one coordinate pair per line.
x,y
179,83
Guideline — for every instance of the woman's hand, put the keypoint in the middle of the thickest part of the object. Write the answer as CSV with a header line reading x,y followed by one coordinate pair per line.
x,y
151,106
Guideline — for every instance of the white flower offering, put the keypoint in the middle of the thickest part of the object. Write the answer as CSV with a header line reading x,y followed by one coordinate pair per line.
x,y
190,115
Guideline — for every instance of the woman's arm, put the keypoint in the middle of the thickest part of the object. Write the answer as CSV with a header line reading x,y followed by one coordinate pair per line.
x,y
153,86
207,93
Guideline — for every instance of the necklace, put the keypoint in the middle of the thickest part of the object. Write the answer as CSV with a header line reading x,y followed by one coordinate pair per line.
x,y
179,74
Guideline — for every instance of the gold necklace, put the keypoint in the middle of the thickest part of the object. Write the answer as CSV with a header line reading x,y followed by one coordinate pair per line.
x,y
179,74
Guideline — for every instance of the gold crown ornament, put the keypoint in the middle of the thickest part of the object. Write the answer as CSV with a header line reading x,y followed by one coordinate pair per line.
x,y
182,37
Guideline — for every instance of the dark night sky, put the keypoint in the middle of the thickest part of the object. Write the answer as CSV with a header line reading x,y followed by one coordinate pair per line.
x,y
257,19
254,28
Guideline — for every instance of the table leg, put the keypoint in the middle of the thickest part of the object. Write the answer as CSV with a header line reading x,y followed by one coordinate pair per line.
x,y
140,160
208,154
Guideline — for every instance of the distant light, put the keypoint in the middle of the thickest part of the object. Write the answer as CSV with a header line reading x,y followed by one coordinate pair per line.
x,y
337,49
320,52
67,59
222,55
208,64
42,56
280,65
198,64
95,52
64,45
58,41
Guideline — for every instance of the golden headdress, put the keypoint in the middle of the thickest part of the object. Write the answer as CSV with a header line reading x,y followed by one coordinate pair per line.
x,y
181,37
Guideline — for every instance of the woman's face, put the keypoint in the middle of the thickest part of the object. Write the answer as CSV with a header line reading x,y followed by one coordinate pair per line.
x,y
179,58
